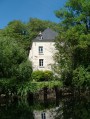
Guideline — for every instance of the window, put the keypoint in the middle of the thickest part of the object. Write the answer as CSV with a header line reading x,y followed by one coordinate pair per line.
x,y
41,62
40,49
43,116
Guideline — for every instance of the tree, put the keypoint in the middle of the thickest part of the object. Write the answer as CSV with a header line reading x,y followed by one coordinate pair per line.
x,y
35,25
81,77
24,33
13,60
11,55
73,42
75,12
15,42
14,67
17,30
14,29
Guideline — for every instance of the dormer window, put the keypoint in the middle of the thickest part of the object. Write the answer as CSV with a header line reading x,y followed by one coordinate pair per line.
x,y
40,36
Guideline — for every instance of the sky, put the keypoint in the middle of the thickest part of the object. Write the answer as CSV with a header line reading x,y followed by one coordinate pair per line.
x,y
25,9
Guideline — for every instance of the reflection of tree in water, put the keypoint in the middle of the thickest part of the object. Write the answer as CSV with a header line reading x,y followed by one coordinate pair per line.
x,y
69,108
23,109
74,108
16,111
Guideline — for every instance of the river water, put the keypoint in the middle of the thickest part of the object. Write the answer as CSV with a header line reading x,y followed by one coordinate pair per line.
x,y
64,108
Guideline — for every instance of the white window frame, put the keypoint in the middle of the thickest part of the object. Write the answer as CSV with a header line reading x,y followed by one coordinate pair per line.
x,y
40,49
43,115
41,62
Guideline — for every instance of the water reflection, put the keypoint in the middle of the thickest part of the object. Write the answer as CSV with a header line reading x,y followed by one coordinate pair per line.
x,y
14,110
74,108
67,108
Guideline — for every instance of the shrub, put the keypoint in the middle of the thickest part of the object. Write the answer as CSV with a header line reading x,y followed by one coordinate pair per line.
x,y
48,75
42,75
24,71
38,75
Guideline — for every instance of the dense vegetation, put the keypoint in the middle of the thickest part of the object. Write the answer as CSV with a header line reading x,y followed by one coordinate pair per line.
x,y
15,70
73,44
14,66
72,60
24,33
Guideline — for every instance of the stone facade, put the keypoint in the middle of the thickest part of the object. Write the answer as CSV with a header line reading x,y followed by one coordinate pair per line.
x,y
43,50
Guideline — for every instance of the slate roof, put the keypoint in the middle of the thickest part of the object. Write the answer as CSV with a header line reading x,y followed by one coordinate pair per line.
x,y
47,35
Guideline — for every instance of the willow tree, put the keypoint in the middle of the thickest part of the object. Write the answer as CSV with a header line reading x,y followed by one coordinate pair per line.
x,y
73,43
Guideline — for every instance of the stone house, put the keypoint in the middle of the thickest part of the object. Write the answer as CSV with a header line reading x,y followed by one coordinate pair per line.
x,y
42,50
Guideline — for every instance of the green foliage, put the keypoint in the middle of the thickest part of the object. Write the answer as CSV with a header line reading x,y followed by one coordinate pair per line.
x,y
11,55
75,12
38,75
48,75
8,85
42,75
35,86
17,30
73,43
14,67
24,33
34,26
15,43
16,110
24,71
81,77
75,108
16,26
40,79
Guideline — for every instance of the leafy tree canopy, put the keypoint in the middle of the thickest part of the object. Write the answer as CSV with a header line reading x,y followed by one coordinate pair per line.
x,y
11,55
24,33
73,42
75,12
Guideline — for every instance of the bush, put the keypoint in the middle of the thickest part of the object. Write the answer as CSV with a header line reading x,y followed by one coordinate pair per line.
x,y
48,75
42,75
38,75
24,71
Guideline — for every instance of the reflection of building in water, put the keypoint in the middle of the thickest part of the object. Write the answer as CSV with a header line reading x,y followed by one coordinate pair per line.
x,y
43,115
52,113
47,114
